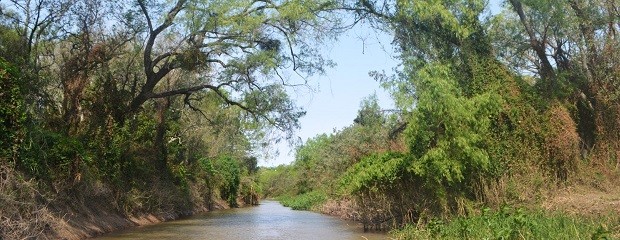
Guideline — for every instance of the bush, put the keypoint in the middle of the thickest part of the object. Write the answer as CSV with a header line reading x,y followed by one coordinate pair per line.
x,y
448,134
306,201
374,172
54,157
229,172
11,110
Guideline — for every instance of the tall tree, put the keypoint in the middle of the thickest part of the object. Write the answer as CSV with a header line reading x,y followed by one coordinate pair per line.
x,y
576,51
239,47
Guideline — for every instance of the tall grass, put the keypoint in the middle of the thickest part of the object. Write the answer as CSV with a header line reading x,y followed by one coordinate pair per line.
x,y
515,224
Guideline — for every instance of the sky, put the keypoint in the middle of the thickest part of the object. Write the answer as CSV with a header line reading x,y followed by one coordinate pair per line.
x,y
340,91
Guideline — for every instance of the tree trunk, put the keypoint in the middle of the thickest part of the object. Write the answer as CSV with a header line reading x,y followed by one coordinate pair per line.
x,y
161,163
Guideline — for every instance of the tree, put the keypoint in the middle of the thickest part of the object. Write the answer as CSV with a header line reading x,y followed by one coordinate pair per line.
x,y
575,56
28,28
114,60
370,113
34,22
451,92
235,47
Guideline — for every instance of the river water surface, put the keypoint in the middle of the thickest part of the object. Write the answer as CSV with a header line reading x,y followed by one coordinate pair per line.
x,y
269,220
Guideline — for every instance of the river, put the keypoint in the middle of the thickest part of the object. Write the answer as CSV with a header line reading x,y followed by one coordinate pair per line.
x,y
269,220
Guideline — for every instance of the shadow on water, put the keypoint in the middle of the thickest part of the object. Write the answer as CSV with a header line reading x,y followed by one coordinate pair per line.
x,y
269,220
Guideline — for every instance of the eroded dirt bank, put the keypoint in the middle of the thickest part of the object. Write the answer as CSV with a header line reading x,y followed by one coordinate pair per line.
x,y
95,217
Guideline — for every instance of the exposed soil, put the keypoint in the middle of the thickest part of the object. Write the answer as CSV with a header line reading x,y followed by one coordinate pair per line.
x,y
97,217
585,201
93,222
85,211
81,226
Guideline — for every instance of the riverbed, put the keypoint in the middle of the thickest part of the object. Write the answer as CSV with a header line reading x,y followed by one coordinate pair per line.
x,y
269,220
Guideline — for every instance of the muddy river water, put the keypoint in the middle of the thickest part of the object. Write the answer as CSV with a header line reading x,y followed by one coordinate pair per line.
x,y
269,220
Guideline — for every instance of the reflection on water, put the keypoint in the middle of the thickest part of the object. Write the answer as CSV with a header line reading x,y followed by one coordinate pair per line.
x,y
269,220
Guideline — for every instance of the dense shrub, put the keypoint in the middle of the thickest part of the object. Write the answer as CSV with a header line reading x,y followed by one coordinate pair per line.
x,y
305,201
12,112
228,172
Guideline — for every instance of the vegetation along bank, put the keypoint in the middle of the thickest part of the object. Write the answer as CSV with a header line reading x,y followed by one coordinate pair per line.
x,y
506,124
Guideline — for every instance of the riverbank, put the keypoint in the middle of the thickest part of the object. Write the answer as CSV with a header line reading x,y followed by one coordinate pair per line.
x,y
29,210
96,217
92,222
568,212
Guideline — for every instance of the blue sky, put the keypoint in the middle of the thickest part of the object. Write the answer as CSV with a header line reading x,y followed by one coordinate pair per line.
x,y
339,92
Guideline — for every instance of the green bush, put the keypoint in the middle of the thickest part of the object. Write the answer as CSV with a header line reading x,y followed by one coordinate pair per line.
x,y
374,172
448,134
11,109
306,201
228,170
53,156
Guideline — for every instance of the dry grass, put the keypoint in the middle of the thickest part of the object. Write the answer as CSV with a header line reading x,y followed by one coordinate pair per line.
x,y
582,200
22,213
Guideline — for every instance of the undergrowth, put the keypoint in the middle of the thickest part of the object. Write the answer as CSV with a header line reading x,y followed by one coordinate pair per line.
x,y
306,201
23,213
509,223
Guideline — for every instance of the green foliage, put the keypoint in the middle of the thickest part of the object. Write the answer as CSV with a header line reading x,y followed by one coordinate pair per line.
x,y
53,157
321,161
370,113
11,46
206,166
452,16
375,172
125,152
448,132
435,30
479,128
448,135
181,175
309,159
278,181
471,115
305,201
12,111
512,224
228,171
142,118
